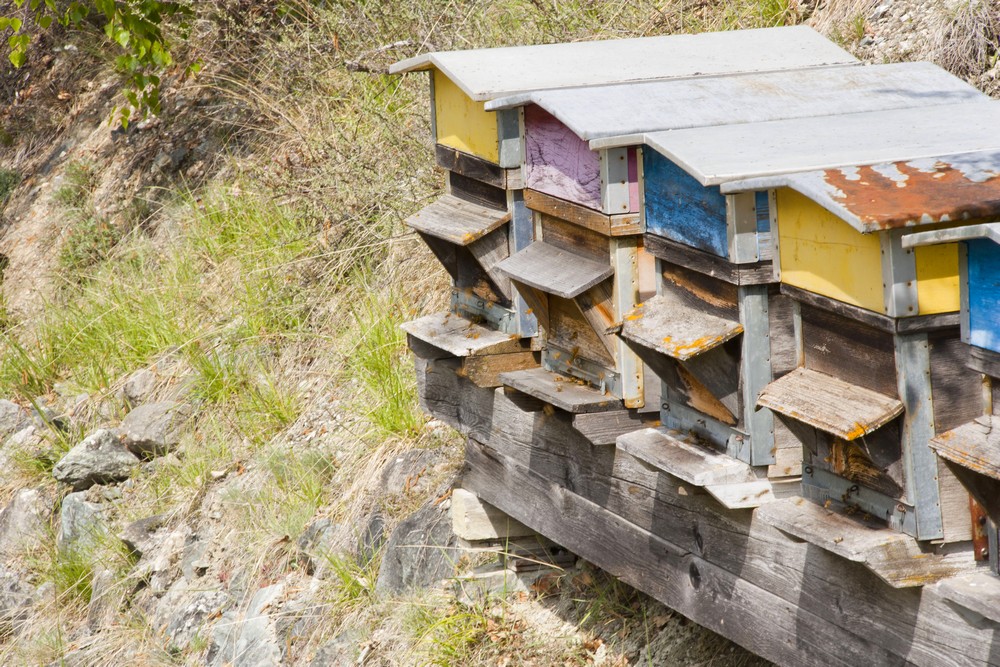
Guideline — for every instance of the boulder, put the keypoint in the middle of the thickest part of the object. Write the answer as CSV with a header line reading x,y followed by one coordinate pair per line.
x,y
139,387
24,523
419,552
155,428
81,522
99,459
182,612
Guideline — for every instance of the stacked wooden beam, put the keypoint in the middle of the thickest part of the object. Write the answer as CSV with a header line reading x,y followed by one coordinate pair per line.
x,y
717,262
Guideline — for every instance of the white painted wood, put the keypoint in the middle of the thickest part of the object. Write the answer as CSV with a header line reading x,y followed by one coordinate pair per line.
x,y
717,155
628,109
485,74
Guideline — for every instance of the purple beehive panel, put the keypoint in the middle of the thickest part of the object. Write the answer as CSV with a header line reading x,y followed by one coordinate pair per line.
x,y
558,162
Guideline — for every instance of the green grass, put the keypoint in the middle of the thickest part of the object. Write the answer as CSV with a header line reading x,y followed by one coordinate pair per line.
x,y
9,179
80,178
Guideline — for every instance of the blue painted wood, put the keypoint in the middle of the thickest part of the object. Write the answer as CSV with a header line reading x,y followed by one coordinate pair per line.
x,y
984,294
763,209
681,209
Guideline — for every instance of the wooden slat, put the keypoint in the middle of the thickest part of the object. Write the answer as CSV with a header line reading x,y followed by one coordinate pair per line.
x,y
975,445
608,225
669,326
470,166
979,593
485,370
692,463
562,392
555,271
897,559
460,337
760,273
743,495
831,405
604,428
456,220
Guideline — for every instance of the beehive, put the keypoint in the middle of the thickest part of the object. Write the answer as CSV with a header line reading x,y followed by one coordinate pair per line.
x,y
482,219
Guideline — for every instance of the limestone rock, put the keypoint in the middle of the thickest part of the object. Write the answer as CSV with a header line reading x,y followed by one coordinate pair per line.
x,y
254,642
140,536
155,428
99,459
182,612
139,386
420,552
13,418
24,523
81,522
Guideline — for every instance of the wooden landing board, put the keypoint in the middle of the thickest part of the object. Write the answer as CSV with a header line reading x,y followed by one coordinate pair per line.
x,y
559,391
694,464
460,337
897,559
829,404
668,325
743,495
603,428
456,220
975,445
485,74
979,593
555,271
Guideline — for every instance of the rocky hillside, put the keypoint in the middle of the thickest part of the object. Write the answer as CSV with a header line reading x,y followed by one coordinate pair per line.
x,y
211,448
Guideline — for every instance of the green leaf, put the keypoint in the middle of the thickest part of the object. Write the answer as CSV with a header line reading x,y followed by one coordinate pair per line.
x,y
15,24
4,22
17,58
44,21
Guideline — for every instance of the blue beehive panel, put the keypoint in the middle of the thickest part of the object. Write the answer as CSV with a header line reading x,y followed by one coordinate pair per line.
x,y
681,209
984,294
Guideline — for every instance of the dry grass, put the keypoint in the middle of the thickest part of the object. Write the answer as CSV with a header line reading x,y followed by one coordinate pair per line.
x,y
968,44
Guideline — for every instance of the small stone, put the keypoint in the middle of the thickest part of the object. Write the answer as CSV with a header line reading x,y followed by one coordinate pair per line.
x,y
139,386
867,40
155,428
13,418
99,459
420,552
81,523
139,536
24,523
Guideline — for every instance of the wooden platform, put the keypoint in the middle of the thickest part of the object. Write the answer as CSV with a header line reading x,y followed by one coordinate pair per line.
x,y
780,596
563,392
667,325
456,220
555,271
462,338
829,404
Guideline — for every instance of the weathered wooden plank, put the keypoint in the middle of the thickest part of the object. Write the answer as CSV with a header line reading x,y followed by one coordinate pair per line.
x,y
780,319
562,392
692,463
571,330
979,593
974,445
597,305
607,225
897,559
689,583
489,251
485,370
761,273
558,162
470,166
555,271
603,428
477,192
849,350
742,495
829,404
669,326
462,338
475,520
574,238
986,362
923,631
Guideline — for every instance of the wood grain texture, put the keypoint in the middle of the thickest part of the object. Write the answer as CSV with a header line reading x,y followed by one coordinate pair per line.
x,y
555,271
898,559
485,370
849,350
829,404
462,338
470,166
477,192
956,390
558,162
574,238
624,224
561,392
979,593
761,273
603,428
679,208
667,325
780,320
666,451
570,330
742,495
489,251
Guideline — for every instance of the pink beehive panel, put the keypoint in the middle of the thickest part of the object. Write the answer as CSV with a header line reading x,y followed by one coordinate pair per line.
x,y
558,162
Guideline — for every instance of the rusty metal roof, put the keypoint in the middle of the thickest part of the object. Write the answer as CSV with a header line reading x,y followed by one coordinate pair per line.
x,y
870,198
485,74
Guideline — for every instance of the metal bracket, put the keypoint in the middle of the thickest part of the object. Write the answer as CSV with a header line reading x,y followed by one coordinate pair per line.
x,y
772,211
565,362
625,295
520,233
965,329
614,180
680,417
510,138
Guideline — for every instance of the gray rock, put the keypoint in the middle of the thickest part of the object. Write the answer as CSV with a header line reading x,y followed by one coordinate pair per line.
x,y
317,543
139,386
194,560
409,471
105,598
13,418
183,611
140,536
99,459
372,538
252,642
16,599
81,522
155,428
24,523
420,552
341,652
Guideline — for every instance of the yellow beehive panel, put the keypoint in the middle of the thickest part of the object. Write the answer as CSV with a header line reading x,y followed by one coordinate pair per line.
x,y
937,278
462,123
823,254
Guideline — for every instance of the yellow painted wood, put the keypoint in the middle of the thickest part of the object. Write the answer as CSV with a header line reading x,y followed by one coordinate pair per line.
x,y
462,123
823,254
937,278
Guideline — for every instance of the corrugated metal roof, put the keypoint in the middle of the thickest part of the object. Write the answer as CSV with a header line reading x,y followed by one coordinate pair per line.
x,y
889,195
628,109
485,74
726,153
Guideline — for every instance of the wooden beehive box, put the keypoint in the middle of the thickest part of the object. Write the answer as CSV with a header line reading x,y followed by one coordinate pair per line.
x,y
482,219
880,364
587,201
